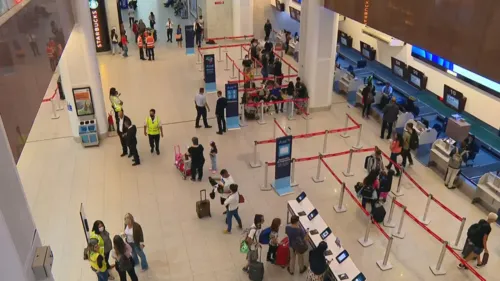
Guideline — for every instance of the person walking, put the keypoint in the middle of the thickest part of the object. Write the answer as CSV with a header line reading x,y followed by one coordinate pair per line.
x,y
252,240
406,152
140,44
178,36
122,132
131,136
114,42
198,31
273,240
477,241
124,41
278,72
131,16
141,27
396,148
200,102
222,186
368,95
124,263
96,259
150,46
296,238
267,29
135,29
317,263
391,112
375,161
213,156
454,165
220,108
195,152
232,204
99,232
153,130
33,45
169,25
152,20
135,238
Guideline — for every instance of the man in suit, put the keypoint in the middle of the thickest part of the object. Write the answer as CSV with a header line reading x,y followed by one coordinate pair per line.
x,y
131,136
122,130
219,112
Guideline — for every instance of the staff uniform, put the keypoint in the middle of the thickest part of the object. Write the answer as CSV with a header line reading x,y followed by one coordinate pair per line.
x,y
201,110
219,113
153,130
150,47
122,130
132,144
140,44
169,27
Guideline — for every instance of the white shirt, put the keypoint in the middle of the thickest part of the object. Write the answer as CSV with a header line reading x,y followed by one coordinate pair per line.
x,y
233,201
129,234
200,100
227,182
169,25
131,13
120,125
254,234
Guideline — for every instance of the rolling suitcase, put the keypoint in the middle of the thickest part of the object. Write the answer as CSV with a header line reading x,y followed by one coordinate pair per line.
x,y
283,253
203,206
256,270
378,213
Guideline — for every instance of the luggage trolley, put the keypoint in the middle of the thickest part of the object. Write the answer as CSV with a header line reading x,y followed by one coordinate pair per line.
x,y
182,162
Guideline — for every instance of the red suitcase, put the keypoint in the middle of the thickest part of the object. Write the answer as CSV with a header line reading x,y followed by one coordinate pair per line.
x,y
283,253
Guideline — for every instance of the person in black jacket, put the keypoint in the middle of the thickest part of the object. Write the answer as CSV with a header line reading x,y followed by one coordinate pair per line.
x,y
317,262
219,112
267,29
122,130
368,94
131,136
278,72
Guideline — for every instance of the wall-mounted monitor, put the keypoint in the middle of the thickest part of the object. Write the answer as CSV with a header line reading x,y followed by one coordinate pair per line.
x,y
280,6
454,99
294,14
344,39
367,51
398,68
417,78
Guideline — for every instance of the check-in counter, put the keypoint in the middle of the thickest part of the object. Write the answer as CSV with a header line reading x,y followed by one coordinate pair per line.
x,y
488,191
440,153
425,135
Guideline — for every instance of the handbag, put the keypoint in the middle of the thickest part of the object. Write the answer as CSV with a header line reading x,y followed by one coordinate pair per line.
x,y
300,246
241,199
178,36
125,263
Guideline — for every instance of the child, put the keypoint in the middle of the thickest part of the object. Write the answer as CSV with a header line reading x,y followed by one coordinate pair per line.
x,y
273,240
213,157
385,184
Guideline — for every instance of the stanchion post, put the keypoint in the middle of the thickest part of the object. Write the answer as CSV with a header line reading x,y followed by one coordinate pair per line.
x,y
291,109
307,126
289,78
220,55
55,115
424,219
198,58
261,120
398,191
325,142
385,264
400,233
256,162
292,175
341,208
437,270
318,178
456,245
358,142
227,64
225,48
233,76
241,52
59,107
266,186
389,222
365,241
239,76
274,128
255,67
243,122
348,173
344,133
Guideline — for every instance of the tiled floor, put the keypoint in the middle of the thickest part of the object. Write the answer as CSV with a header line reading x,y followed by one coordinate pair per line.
x,y
58,175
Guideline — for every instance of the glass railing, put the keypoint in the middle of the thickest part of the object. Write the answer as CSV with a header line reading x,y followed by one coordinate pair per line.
x,y
6,5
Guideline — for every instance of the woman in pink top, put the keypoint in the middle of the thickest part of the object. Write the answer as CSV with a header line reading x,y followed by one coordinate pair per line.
x,y
396,148
124,263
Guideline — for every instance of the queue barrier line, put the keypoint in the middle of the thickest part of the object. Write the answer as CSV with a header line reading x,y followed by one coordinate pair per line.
x,y
254,90
279,127
262,78
51,97
307,114
223,46
352,120
274,102
230,37
283,60
425,192
464,262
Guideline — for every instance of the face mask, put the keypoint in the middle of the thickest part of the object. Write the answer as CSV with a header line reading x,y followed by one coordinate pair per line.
x,y
152,116
101,229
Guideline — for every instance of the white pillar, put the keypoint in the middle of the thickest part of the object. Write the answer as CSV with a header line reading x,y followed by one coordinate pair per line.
x,y
318,41
112,15
18,236
242,17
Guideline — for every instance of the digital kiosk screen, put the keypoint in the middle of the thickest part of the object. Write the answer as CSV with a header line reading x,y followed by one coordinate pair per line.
x,y
312,214
359,277
325,233
367,51
342,256
343,41
398,68
301,197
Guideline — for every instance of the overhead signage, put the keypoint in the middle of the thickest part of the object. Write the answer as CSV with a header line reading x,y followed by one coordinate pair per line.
x,y
232,109
99,25
366,11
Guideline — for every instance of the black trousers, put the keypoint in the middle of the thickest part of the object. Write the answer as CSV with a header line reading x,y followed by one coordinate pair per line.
x,y
221,122
366,200
271,253
131,21
201,111
406,153
198,39
277,106
34,48
197,169
135,153
267,35
123,142
169,34
151,53
123,274
141,53
154,142
388,126
366,109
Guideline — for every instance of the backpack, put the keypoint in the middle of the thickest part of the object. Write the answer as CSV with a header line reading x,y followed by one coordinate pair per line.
x,y
475,229
368,160
125,264
264,236
414,140
367,192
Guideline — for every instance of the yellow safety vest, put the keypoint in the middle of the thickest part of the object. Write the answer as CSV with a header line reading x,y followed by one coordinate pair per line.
x,y
93,262
153,126
116,103
101,241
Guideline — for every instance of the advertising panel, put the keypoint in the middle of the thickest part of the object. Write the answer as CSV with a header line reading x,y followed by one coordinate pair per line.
x,y
99,25
209,71
83,101
232,109
283,166
189,37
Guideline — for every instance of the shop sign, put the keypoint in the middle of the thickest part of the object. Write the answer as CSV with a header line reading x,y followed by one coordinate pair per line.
x,y
99,25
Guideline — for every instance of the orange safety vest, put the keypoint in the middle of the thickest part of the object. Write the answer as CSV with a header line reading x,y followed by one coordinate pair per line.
x,y
150,41
139,41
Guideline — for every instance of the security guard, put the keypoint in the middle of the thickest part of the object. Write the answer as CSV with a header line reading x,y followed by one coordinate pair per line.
x,y
140,44
97,260
116,102
150,46
153,130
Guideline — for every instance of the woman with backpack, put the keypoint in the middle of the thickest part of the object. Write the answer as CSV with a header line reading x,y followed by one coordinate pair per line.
x,y
454,165
368,190
396,148
297,244
124,263
272,231
374,162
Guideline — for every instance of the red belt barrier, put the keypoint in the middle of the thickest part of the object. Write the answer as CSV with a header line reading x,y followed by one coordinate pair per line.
x,y
262,78
352,120
301,109
381,229
265,141
273,102
271,163
331,171
303,136
287,63
471,268
223,46
342,130
423,225
260,88
230,37
51,98
336,154
306,159
279,127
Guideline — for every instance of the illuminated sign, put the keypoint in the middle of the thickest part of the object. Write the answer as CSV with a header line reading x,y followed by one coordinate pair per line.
x,y
99,25
97,29
366,12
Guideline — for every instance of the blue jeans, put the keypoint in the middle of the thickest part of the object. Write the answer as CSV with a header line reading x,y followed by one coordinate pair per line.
x,y
229,219
115,48
102,276
125,51
213,158
138,252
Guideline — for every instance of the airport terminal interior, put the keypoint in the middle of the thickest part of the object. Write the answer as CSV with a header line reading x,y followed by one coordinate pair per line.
x,y
62,167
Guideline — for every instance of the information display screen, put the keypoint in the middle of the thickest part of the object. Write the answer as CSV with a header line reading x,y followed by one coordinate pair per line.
x,y
312,214
398,67
342,256
454,99
325,233
416,78
301,197
343,41
359,277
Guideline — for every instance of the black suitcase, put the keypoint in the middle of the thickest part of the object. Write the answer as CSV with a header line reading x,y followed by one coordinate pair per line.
x,y
256,270
378,213
203,206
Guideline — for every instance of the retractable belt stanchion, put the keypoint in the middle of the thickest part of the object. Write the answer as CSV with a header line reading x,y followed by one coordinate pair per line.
x,y
220,56
274,128
344,133
55,115
389,222
255,163
400,233
243,121
59,105
366,241
423,219
341,208
456,245
227,63
325,142
198,58
318,178
255,67
241,52
233,76
289,79
292,175
307,125
358,142
291,109
348,173
437,270
385,264
266,186
225,48
398,191
261,120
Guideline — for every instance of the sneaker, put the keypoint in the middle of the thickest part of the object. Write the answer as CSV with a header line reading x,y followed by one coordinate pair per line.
x,y
226,231
193,180
480,265
288,269
303,270
208,127
197,127
123,154
136,164
152,150
245,269
157,152
461,266
219,133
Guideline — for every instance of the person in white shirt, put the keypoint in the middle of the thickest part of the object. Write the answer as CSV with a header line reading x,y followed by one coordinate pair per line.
x,y
223,187
131,16
169,25
232,203
252,240
200,102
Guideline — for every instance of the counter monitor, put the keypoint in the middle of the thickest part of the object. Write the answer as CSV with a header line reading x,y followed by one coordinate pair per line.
x,y
325,233
301,197
359,277
342,256
312,214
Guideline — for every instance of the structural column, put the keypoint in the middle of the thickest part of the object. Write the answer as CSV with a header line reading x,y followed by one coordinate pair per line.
x,y
318,41
112,14
242,17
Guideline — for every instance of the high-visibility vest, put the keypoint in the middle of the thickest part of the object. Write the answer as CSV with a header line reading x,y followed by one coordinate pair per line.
x,y
150,41
139,41
50,52
116,102
101,241
93,262
153,126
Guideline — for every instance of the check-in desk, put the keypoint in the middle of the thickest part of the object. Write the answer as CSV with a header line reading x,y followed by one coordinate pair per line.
x,y
488,191
425,135
344,82
347,269
440,153
457,128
